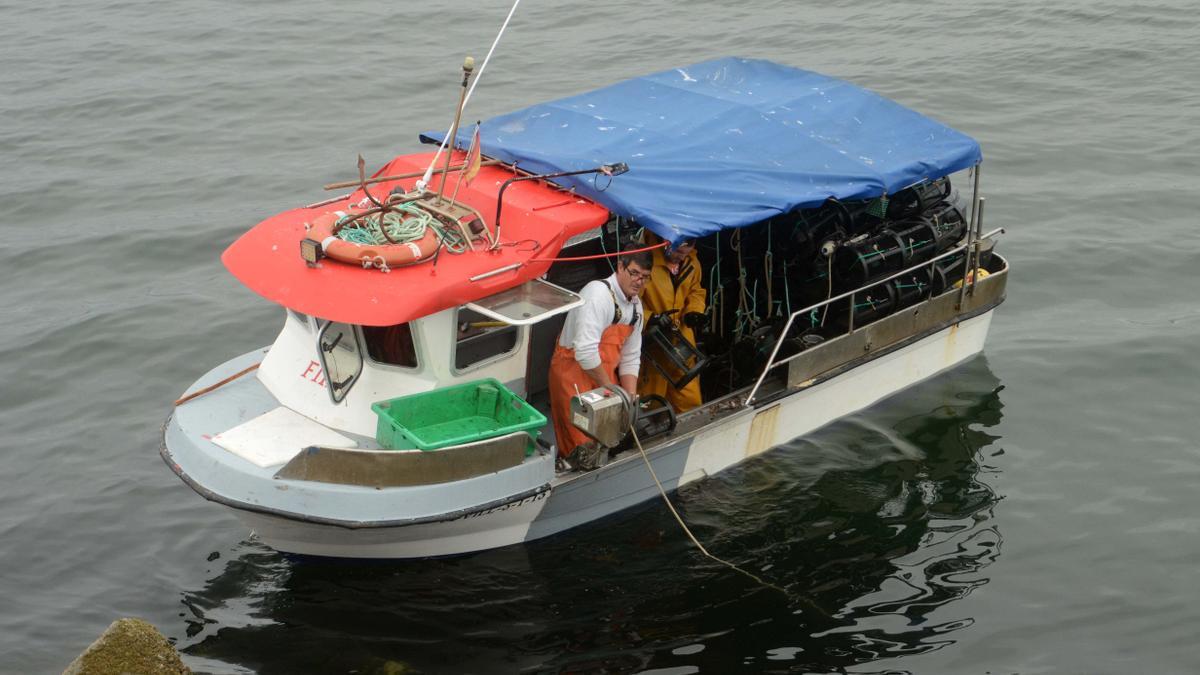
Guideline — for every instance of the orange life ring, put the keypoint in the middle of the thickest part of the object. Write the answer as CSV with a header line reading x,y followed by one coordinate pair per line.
x,y
368,255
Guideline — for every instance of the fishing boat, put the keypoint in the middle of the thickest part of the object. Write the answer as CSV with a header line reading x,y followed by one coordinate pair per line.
x,y
401,411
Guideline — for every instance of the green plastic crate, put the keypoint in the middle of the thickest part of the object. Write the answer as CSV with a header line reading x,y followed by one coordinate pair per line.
x,y
463,413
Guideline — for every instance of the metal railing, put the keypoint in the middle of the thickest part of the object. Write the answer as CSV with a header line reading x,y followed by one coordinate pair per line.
x,y
967,246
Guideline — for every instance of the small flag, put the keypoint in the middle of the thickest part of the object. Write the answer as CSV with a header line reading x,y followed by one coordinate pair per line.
x,y
471,167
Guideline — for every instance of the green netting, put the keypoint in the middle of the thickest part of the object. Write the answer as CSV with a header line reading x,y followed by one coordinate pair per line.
x,y
878,207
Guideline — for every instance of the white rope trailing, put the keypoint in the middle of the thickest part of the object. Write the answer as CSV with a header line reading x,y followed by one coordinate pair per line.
x,y
421,184
686,530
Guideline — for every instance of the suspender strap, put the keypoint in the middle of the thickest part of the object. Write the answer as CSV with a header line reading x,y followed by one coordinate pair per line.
x,y
617,307
685,269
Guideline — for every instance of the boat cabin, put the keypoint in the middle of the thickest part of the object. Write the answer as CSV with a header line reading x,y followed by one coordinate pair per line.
x,y
348,367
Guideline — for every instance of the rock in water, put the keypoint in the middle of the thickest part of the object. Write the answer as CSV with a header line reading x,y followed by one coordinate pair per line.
x,y
129,646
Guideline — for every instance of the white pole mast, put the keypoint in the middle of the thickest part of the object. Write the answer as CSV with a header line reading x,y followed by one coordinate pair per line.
x,y
424,182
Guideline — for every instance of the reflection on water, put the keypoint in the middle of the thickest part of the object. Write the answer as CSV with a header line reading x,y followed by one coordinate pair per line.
x,y
872,527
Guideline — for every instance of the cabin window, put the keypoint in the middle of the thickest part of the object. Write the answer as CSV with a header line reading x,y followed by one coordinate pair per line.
x,y
341,358
391,345
481,338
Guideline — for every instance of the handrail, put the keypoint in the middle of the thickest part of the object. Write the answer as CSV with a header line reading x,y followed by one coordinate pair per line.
x,y
771,364
606,169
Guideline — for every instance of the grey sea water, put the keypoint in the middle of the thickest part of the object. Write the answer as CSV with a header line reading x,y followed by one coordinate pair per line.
x,y
1034,511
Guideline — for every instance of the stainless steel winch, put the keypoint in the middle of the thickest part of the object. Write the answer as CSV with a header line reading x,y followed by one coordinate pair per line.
x,y
604,414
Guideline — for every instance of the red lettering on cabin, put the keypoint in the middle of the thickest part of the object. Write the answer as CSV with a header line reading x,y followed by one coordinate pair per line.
x,y
313,373
309,369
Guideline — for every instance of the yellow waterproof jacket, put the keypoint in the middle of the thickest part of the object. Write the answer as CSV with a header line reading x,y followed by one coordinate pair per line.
x,y
661,294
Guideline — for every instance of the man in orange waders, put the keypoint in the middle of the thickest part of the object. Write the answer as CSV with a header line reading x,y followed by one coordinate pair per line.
x,y
675,286
600,345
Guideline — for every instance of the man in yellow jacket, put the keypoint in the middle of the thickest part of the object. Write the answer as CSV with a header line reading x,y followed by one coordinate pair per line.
x,y
675,284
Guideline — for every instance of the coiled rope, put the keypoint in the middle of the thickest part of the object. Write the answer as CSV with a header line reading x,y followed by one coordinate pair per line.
x,y
401,224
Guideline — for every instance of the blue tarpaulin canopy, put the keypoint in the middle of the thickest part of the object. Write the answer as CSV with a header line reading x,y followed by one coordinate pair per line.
x,y
726,143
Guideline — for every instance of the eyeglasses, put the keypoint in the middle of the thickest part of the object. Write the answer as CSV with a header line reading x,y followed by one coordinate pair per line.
x,y
637,276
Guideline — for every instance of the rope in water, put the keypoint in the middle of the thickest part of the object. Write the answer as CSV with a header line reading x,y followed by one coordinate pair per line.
x,y
662,491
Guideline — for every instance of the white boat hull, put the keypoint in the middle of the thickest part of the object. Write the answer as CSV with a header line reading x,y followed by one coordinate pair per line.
x,y
501,526
575,498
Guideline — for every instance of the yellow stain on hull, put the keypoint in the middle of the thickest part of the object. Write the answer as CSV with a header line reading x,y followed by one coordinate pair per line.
x,y
950,345
762,431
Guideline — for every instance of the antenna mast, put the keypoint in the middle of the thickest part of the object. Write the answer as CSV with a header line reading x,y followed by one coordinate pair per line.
x,y
424,182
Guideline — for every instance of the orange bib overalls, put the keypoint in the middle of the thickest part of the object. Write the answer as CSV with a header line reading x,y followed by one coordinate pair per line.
x,y
567,378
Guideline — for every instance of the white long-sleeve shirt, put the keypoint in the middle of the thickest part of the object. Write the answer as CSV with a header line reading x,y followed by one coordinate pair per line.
x,y
581,331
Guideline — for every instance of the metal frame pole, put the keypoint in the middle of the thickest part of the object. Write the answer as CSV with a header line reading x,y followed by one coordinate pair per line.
x,y
467,68
962,290
978,245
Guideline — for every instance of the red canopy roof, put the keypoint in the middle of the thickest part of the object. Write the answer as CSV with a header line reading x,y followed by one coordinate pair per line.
x,y
267,258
